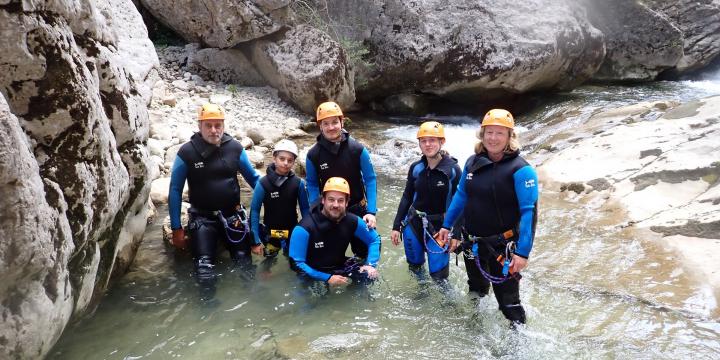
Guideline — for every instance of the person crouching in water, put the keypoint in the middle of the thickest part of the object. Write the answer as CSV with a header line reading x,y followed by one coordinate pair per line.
x,y
430,185
279,192
497,195
210,162
319,242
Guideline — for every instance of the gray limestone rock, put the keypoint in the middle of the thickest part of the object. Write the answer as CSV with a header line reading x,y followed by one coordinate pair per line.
x,y
221,23
699,22
307,67
76,78
228,66
466,49
641,43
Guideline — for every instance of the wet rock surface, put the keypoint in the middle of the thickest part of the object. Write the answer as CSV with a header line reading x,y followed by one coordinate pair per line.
x,y
671,188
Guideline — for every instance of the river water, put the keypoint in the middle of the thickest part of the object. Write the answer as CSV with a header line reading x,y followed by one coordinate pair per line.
x,y
591,290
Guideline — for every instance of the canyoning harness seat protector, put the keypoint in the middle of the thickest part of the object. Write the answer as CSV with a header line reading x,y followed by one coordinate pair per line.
x,y
234,222
426,229
486,246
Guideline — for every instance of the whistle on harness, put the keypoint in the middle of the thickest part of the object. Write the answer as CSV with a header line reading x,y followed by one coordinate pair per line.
x,y
506,267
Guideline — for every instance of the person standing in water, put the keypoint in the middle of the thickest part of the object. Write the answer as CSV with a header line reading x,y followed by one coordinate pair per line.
x,y
430,185
210,162
497,196
337,154
279,192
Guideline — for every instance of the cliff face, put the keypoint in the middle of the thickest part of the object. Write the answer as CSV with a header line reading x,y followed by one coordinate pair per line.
x,y
75,78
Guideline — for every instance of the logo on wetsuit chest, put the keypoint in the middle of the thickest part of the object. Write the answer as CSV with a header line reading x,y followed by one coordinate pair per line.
x,y
469,176
199,165
440,183
320,244
274,194
324,166
530,183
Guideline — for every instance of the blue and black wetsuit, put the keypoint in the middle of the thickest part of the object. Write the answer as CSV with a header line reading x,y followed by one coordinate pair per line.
x,y
318,245
211,173
349,160
428,191
495,197
279,196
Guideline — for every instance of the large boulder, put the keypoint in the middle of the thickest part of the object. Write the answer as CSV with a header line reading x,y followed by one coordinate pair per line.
x,y
75,79
224,65
307,67
699,22
466,49
220,23
641,43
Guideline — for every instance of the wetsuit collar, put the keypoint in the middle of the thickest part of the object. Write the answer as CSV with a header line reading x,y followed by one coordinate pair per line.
x,y
275,179
203,147
333,147
481,160
445,165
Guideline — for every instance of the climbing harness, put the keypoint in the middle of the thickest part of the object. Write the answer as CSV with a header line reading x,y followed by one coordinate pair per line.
x,y
504,258
238,220
427,230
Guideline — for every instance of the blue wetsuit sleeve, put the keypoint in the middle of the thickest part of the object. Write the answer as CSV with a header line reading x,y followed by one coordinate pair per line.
x,y
177,183
406,200
458,203
257,201
372,239
526,189
303,201
247,170
370,181
298,252
311,177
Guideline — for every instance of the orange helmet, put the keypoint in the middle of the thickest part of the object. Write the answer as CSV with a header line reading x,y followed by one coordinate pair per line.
x,y
211,112
499,117
337,184
431,129
328,109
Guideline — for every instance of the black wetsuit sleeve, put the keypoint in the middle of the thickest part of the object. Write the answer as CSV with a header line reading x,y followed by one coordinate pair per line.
x,y
457,228
406,199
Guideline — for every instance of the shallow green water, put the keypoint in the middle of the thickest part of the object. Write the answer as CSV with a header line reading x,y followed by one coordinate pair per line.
x,y
591,291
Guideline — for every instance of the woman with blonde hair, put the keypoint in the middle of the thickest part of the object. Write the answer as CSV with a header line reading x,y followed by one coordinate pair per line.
x,y
497,197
